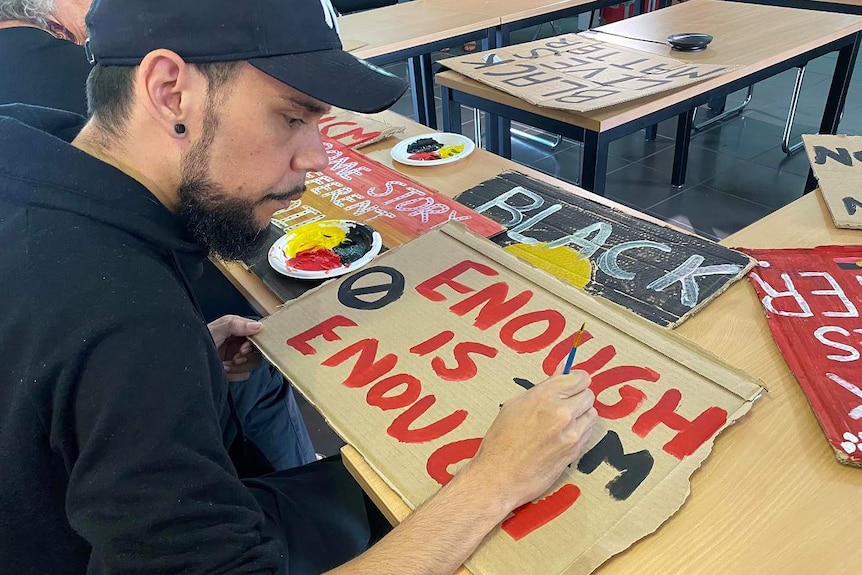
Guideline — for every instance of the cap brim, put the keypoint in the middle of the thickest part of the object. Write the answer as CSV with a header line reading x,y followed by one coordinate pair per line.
x,y
337,78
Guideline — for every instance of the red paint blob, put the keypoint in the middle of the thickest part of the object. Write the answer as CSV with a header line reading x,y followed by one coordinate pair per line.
x,y
317,259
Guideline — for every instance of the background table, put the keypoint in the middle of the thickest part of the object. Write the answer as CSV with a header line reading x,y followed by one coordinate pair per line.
x,y
411,31
846,6
795,37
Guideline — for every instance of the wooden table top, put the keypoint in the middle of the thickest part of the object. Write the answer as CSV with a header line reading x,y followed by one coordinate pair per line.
x,y
408,25
739,31
510,10
771,498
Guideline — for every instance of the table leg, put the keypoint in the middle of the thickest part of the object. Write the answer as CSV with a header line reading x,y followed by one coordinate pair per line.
x,y
430,104
505,135
595,165
650,133
417,90
840,84
451,111
680,152
492,133
497,38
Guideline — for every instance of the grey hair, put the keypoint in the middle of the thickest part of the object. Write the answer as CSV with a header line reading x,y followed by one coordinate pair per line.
x,y
37,12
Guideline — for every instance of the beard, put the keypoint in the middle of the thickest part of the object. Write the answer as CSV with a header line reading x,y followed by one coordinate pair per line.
x,y
220,222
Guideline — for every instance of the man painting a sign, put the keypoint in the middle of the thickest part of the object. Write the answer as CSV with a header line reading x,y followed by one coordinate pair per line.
x,y
413,357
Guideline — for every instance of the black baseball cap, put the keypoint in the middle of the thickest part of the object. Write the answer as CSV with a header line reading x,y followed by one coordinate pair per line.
x,y
294,41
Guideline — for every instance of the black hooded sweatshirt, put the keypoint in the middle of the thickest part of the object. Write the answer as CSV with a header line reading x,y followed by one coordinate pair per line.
x,y
112,395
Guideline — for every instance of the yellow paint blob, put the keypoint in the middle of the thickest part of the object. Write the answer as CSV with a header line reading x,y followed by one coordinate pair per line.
x,y
315,235
562,262
449,151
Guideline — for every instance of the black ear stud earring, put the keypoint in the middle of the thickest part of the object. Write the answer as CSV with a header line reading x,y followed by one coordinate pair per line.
x,y
180,128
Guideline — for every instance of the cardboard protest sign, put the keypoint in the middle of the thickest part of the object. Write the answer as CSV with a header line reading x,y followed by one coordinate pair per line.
x,y
355,187
812,299
409,360
579,73
837,164
655,271
355,130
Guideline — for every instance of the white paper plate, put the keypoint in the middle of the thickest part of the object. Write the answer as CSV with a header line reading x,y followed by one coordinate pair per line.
x,y
399,152
278,260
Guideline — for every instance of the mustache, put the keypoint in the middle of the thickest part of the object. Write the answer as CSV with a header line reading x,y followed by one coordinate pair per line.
x,y
282,196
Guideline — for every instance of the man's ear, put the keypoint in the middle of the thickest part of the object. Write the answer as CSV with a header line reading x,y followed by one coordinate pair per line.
x,y
172,91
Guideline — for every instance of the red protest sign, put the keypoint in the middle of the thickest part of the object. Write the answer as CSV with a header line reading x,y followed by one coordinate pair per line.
x,y
355,187
812,299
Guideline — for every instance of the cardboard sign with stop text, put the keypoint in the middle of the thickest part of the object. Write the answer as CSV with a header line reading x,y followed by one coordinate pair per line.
x,y
580,72
410,358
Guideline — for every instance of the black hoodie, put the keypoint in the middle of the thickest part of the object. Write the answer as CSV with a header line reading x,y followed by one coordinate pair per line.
x,y
112,395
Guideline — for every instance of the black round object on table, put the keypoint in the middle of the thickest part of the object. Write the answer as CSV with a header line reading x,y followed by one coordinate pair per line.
x,y
689,41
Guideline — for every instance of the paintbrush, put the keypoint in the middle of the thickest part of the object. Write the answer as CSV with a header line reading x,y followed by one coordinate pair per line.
x,y
577,341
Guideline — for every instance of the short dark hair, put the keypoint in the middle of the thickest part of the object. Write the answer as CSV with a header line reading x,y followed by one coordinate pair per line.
x,y
109,91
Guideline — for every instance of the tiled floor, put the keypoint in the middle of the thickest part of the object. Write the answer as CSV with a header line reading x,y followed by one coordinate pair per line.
x,y
737,172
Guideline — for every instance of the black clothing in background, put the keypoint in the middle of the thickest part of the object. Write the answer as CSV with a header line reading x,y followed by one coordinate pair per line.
x,y
38,69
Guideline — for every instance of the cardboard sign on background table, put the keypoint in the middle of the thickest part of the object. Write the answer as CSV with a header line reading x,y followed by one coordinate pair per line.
x,y
658,272
355,187
579,72
837,164
355,130
812,299
410,358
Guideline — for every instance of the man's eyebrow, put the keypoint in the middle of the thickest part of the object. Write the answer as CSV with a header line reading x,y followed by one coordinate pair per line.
x,y
307,104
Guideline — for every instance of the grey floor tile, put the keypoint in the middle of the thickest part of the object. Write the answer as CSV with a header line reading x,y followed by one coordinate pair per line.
x,y
404,106
564,163
752,182
639,186
741,137
634,148
709,212
776,159
703,164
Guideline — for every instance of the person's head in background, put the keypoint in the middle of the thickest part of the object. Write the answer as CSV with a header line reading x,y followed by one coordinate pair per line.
x,y
62,18
214,106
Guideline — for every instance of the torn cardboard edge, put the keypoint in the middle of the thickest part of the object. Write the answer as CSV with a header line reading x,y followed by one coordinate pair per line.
x,y
836,161
679,477
355,130
577,99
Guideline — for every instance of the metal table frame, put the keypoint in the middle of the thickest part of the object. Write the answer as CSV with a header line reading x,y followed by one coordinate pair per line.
x,y
595,156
